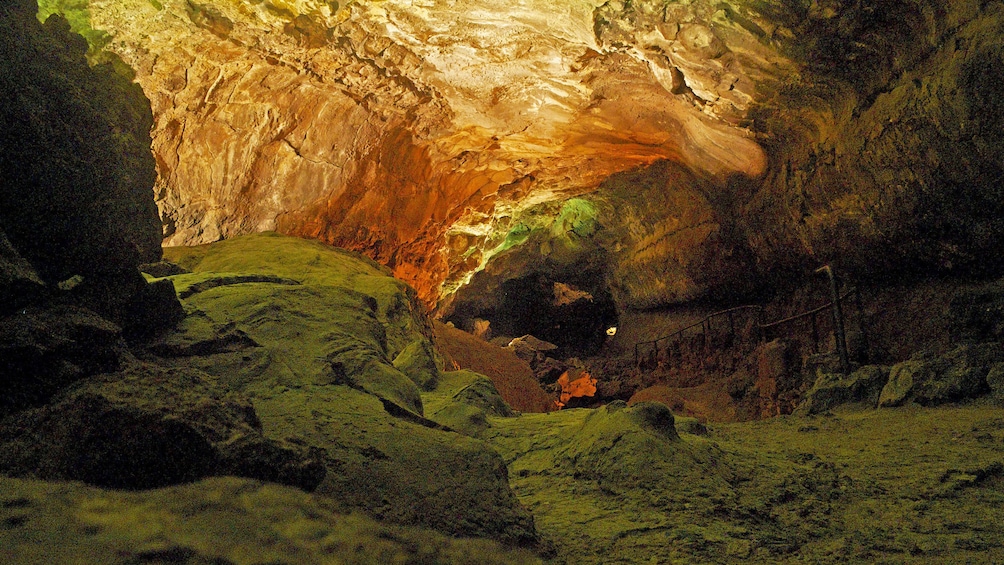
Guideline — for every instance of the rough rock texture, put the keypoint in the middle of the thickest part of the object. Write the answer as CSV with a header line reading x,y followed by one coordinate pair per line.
x,y
931,380
511,376
833,389
283,370
223,520
75,158
783,133
885,152
309,334
463,402
405,129
147,427
44,349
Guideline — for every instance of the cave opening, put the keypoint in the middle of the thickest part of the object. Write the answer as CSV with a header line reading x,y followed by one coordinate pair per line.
x,y
572,312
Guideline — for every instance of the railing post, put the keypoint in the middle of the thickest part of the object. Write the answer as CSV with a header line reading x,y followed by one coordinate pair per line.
x,y
815,334
838,320
861,322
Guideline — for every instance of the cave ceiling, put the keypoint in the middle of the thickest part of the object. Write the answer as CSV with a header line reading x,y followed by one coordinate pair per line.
x,y
424,132
416,131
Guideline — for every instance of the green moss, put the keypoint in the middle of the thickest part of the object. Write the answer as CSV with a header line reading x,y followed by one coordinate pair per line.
x,y
221,520
309,332
854,486
578,217
346,322
394,469
78,14
418,362
463,400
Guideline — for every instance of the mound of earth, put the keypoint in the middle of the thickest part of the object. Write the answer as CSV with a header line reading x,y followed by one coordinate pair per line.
x,y
222,520
511,375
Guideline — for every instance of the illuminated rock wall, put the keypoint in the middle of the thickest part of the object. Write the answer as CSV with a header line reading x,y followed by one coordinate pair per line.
x,y
412,131
423,133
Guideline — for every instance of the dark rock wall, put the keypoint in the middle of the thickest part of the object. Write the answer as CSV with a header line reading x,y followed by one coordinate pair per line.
x,y
75,158
886,151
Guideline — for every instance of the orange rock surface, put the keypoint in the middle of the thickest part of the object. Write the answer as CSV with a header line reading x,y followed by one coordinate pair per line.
x,y
395,128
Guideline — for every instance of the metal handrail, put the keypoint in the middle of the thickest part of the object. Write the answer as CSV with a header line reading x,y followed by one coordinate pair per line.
x,y
761,328
807,313
704,321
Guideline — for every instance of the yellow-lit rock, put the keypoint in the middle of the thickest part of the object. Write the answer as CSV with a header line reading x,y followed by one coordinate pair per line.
x,y
386,126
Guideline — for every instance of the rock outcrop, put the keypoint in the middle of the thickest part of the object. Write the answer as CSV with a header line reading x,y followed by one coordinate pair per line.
x,y
930,380
296,363
75,158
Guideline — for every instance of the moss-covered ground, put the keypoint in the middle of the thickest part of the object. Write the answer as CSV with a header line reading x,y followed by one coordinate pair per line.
x,y
223,520
856,485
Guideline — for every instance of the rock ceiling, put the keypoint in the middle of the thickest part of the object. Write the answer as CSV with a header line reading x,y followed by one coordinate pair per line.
x,y
412,130
716,138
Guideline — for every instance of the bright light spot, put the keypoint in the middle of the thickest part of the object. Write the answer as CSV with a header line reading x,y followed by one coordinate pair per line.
x,y
612,330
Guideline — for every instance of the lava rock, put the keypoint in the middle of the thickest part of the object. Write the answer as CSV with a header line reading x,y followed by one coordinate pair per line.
x,y
931,380
833,389
148,427
44,349
418,362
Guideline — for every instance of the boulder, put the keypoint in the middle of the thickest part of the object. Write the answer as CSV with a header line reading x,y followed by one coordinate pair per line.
x,y
833,389
148,427
965,377
931,380
333,365
902,377
995,381
624,448
44,349
530,349
463,400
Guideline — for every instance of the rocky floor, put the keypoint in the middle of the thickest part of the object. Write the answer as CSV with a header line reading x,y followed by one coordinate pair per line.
x,y
299,414
855,485
223,520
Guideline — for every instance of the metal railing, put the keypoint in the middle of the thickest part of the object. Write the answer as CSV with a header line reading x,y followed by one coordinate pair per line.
x,y
753,332
704,336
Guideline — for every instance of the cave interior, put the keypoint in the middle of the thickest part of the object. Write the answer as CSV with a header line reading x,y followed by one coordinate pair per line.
x,y
457,281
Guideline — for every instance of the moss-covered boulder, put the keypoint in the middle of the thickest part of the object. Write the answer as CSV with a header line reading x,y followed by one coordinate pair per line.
x,y
930,379
146,427
221,520
833,389
464,400
332,352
